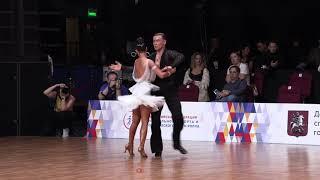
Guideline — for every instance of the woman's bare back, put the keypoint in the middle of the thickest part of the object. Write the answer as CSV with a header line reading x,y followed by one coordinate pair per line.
x,y
140,66
140,72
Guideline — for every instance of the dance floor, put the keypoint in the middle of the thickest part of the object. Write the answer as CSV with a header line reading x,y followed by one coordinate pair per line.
x,y
80,158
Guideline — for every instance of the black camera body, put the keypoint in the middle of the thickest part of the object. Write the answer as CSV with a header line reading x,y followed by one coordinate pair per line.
x,y
65,90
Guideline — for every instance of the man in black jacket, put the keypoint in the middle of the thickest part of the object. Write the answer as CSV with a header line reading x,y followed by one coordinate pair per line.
x,y
169,89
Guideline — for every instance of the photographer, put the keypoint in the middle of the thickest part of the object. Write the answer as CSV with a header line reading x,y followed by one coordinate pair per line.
x,y
63,103
112,88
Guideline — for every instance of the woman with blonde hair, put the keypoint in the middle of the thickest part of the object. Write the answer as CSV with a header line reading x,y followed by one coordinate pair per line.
x,y
198,75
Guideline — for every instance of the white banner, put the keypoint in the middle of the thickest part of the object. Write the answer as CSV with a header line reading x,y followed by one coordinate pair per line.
x,y
219,122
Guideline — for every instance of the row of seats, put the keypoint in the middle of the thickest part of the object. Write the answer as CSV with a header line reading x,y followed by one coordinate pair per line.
x,y
298,88
287,86
282,86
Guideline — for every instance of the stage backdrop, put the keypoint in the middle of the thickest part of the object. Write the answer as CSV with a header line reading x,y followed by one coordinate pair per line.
x,y
219,122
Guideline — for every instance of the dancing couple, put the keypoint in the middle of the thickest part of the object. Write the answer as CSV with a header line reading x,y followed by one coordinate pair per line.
x,y
155,85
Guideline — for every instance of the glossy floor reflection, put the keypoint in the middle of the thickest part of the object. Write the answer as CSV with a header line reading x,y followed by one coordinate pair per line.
x,y
81,158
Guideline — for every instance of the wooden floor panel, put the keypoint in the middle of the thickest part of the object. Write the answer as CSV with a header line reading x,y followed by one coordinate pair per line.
x,y
81,158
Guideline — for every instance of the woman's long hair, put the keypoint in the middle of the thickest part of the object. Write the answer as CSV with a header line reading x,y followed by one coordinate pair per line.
x,y
193,60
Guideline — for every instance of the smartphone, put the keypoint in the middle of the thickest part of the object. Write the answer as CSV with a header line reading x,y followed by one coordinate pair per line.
x,y
216,91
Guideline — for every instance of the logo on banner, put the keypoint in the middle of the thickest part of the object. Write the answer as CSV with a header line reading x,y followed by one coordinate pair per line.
x,y
127,120
297,123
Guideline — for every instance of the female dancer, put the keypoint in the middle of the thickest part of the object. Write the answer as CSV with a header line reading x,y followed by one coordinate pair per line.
x,y
141,102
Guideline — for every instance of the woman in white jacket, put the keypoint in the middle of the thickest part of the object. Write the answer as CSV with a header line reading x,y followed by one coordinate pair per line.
x,y
198,75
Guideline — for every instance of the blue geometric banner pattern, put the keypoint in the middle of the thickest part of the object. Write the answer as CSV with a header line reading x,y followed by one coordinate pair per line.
x,y
243,122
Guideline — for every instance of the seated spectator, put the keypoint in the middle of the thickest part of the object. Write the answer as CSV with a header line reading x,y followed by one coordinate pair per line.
x,y
235,90
296,55
244,70
260,60
216,60
274,58
314,58
198,75
112,88
246,56
63,103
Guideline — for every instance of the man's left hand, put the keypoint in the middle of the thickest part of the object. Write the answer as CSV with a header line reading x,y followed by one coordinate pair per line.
x,y
169,69
172,70
166,68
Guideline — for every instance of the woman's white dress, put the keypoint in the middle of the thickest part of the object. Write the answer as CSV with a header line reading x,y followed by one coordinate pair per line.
x,y
141,92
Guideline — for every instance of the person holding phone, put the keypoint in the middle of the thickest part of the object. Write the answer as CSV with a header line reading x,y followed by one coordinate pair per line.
x,y
233,91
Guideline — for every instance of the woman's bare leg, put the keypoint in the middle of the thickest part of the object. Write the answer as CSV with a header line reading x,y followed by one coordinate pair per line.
x,y
133,128
145,114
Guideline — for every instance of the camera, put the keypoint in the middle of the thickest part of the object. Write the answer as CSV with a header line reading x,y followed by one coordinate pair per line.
x,y
119,81
65,90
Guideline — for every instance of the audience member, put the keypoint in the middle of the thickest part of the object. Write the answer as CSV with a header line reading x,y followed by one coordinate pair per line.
x,y
198,74
215,59
112,87
246,56
296,55
63,103
235,89
260,60
274,58
314,58
244,70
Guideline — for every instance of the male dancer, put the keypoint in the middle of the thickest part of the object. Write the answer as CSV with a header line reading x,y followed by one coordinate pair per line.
x,y
169,89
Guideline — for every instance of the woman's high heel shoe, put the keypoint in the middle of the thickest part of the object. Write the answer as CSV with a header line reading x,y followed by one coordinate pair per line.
x,y
129,149
142,153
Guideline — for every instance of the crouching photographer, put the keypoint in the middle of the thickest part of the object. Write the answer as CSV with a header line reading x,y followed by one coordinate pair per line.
x,y
62,105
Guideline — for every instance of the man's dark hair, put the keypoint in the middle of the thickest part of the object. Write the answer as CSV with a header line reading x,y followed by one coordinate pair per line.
x,y
235,51
244,45
111,72
273,41
261,41
236,67
161,34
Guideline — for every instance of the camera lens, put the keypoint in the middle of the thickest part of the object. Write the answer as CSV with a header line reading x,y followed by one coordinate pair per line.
x,y
65,90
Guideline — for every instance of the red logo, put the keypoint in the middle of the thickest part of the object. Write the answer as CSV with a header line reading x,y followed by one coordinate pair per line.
x,y
297,123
